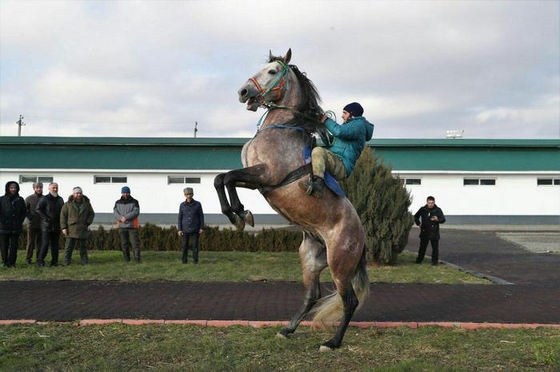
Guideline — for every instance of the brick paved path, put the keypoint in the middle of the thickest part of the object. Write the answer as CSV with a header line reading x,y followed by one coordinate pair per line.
x,y
534,296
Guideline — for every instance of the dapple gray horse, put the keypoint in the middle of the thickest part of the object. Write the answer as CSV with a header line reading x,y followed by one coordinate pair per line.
x,y
276,157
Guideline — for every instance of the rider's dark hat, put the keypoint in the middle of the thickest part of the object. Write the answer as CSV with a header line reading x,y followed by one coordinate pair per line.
x,y
354,108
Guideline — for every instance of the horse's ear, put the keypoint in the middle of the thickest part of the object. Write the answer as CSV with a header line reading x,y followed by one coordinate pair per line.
x,y
270,56
288,56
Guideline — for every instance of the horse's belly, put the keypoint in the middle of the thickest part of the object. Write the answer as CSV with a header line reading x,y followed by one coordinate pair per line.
x,y
320,215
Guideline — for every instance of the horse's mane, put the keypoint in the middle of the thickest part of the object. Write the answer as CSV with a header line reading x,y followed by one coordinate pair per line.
x,y
309,107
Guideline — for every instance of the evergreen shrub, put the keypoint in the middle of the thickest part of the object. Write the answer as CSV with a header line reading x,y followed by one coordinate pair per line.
x,y
382,202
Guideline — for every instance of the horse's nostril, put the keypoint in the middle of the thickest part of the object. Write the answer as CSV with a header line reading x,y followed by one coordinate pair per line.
x,y
243,92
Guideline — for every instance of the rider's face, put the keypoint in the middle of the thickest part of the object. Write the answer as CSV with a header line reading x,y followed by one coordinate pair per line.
x,y
346,116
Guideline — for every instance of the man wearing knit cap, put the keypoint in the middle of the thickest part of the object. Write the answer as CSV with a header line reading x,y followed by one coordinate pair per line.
x,y
75,217
340,155
126,211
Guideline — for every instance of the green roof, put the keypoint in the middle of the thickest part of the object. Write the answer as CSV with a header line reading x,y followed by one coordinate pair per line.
x,y
469,155
224,153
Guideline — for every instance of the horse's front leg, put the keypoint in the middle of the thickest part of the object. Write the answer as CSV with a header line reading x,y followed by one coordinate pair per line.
x,y
251,178
224,203
313,260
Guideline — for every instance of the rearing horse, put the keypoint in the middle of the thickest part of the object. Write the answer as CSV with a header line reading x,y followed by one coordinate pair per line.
x,y
276,157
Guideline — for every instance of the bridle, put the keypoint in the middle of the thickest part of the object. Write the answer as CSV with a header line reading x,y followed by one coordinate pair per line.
x,y
277,88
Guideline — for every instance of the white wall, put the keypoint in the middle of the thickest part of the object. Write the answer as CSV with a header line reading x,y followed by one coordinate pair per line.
x,y
151,189
513,194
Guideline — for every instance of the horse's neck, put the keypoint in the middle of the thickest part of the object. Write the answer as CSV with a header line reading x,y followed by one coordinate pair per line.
x,y
278,116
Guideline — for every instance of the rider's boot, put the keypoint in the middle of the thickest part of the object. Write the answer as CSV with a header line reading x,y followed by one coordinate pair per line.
x,y
314,186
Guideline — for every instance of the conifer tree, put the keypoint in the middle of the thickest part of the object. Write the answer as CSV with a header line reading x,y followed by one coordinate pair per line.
x,y
382,202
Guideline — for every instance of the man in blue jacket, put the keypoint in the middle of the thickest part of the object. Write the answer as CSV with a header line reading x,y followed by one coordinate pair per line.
x,y
341,156
190,224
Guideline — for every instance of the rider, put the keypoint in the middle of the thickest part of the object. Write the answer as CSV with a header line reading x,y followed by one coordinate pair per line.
x,y
343,152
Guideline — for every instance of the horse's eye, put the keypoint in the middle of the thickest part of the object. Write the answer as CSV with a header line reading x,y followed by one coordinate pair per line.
x,y
272,72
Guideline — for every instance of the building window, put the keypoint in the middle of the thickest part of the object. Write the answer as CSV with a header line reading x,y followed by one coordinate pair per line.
x,y
412,181
109,179
548,181
33,179
479,181
182,179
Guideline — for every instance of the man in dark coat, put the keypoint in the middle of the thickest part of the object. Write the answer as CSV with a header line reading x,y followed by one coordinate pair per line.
x,y
49,208
12,214
33,223
76,216
190,224
429,217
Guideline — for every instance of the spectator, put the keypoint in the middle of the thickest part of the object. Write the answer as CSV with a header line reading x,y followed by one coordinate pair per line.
x,y
190,224
48,209
75,217
33,223
12,214
126,211
428,218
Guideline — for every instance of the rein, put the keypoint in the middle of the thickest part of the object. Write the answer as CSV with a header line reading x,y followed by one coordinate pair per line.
x,y
277,87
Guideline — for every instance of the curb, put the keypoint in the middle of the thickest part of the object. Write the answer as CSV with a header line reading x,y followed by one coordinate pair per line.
x,y
261,324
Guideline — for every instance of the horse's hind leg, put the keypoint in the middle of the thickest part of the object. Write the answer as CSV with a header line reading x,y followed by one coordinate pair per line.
x,y
352,284
350,303
313,260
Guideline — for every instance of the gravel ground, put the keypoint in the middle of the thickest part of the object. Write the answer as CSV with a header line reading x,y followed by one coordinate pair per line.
x,y
537,242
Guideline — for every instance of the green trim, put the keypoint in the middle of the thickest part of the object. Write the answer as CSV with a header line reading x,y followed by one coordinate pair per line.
x,y
198,154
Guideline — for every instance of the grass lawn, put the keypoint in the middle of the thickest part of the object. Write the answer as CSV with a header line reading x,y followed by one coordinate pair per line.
x,y
224,266
118,347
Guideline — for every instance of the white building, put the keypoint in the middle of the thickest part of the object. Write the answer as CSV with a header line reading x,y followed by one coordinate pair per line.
x,y
473,181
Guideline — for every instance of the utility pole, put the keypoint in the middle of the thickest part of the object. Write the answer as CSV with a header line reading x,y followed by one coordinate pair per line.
x,y
195,128
20,123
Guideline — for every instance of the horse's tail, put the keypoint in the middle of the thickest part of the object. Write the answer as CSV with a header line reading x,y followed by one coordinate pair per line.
x,y
332,308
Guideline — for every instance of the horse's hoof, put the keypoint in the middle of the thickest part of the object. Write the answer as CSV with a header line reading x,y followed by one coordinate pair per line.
x,y
281,335
239,223
324,348
248,217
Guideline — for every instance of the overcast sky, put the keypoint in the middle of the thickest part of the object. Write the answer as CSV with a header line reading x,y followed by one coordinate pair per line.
x,y
154,68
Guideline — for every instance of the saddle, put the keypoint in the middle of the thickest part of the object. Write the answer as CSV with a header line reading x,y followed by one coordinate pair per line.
x,y
296,174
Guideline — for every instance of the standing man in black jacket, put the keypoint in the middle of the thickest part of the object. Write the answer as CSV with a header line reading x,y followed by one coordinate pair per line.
x,y
12,214
190,224
48,208
428,218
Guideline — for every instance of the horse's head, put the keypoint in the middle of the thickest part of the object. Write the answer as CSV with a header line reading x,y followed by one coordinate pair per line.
x,y
268,84
280,85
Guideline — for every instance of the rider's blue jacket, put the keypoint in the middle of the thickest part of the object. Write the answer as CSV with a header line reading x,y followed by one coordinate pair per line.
x,y
350,139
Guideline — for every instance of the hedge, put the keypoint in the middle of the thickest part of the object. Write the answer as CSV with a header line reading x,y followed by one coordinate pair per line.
x,y
155,238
